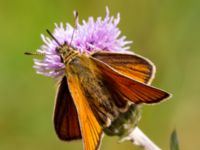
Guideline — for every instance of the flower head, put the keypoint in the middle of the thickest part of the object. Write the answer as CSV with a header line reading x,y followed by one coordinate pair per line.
x,y
90,36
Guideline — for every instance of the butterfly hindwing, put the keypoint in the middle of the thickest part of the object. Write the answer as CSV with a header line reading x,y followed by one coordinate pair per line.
x,y
65,116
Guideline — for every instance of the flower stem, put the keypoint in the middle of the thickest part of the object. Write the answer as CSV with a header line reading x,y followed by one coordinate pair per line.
x,y
138,138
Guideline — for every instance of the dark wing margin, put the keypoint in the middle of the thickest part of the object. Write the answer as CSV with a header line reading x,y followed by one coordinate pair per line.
x,y
131,65
65,116
133,90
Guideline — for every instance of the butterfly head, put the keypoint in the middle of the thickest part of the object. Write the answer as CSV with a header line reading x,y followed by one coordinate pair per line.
x,y
64,50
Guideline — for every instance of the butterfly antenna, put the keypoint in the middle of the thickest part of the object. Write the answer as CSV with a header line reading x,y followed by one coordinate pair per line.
x,y
75,25
53,37
34,53
43,54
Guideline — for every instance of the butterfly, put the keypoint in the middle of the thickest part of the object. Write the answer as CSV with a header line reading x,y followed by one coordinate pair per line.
x,y
96,88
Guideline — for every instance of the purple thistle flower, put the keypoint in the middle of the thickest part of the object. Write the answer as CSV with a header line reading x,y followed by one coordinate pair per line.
x,y
90,36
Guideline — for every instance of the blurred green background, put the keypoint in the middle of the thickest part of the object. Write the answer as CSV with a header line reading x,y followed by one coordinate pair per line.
x,y
167,32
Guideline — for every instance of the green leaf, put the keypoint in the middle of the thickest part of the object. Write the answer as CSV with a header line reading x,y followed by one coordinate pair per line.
x,y
174,144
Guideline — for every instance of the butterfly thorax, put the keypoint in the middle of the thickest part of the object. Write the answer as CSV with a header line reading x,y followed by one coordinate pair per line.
x,y
66,52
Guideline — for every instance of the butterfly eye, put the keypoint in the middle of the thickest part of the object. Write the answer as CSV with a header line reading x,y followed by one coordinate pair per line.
x,y
58,50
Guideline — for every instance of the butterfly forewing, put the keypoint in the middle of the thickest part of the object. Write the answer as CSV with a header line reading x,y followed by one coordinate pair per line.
x,y
131,65
133,90
65,116
90,127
